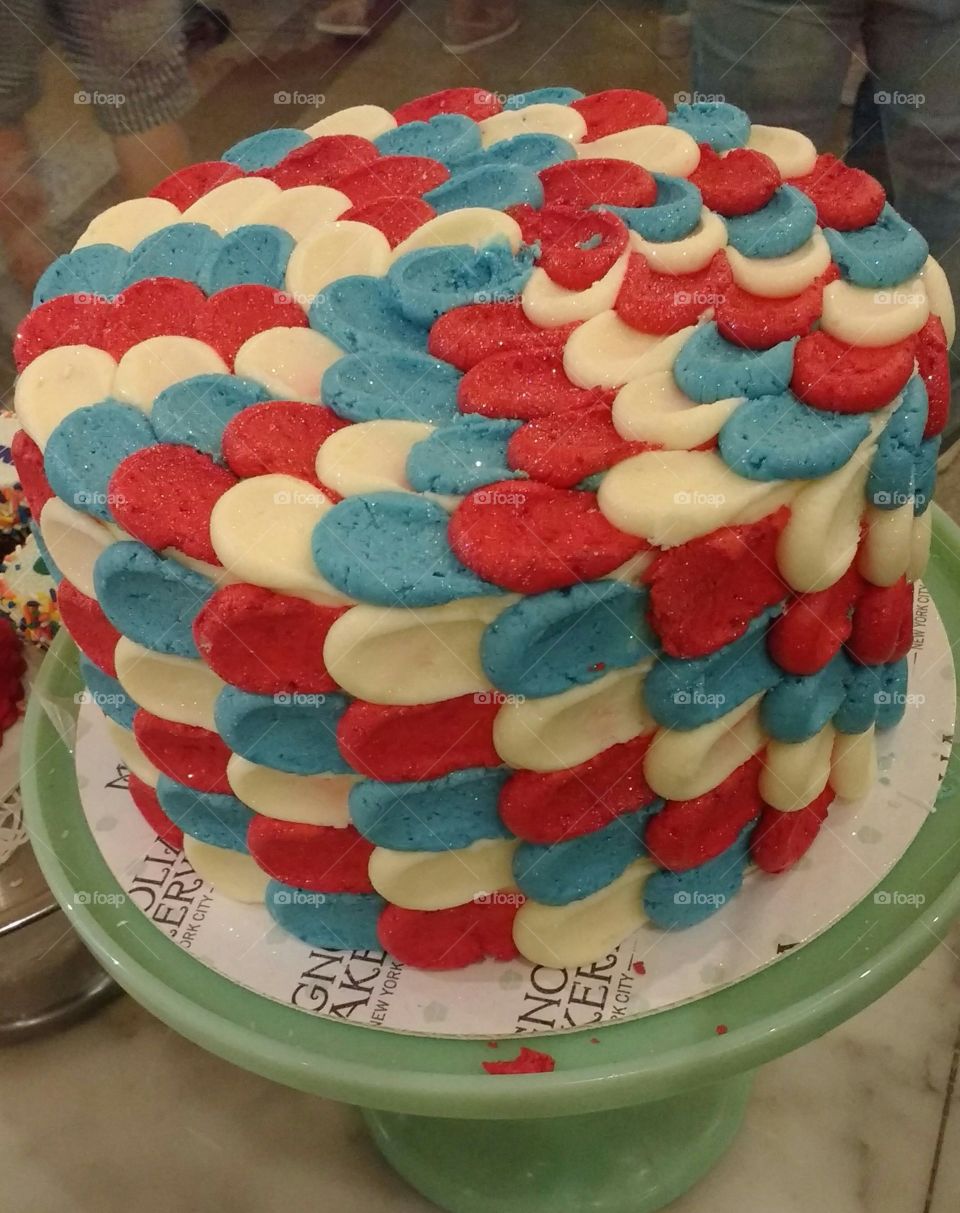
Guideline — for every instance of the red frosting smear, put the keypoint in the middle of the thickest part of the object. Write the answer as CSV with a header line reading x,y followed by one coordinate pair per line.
x,y
933,362
687,833
475,103
92,632
263,642
666,303
453,938
639,968
813,627
397,217
468,334
579,247
391,177
780,839
279,436
164,495
192,756
618,109
232,316
28,460
704,593
524,384
564,448
420,741
145,798
322,161
527,1061
584,183
882,626
155,307
322,859
736,183
185,186
829,374
758,323
554,806
66,320
531,537
846,198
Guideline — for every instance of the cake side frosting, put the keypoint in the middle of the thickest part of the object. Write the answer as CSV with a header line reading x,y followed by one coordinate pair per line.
x,y
492,526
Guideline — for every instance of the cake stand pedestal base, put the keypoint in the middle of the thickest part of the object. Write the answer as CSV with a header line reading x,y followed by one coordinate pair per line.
x,y
629,1160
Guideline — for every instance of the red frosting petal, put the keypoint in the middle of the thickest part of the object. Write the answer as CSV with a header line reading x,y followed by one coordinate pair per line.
x,y
933,362
397,217
585,183
813,627
391,176
66,320
185,186
322,161
233,315
155,307
564,448
467,335
524,384
324,859
736,183
666,303
882,626
619,109
780,839
758,323
452,938
579,247
846,198
28,460
192,756
92,632
829,374
279,436
145,798
472,102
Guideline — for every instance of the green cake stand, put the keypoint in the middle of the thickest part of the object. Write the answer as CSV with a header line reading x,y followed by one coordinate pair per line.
x,y
623,1125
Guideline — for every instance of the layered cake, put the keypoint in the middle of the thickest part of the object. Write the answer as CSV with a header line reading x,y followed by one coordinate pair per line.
x,y
492,526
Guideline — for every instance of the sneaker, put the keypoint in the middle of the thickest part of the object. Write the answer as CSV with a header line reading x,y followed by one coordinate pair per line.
x,y
343,18
471,24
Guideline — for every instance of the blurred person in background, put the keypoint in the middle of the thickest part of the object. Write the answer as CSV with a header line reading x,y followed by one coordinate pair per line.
x,y
468,24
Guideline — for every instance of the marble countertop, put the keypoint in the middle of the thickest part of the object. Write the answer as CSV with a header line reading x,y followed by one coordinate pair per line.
x,y
864,1120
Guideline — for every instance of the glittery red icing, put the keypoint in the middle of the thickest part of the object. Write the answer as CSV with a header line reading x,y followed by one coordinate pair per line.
x,y
392,176
145,798
666,303
235,314
472,102
522,384
588,182
527,1061
846,198
187,185
467,335
324,859
814,626
780,839
452,938
736,183
829,374
91,631
192,756
279,436
619,109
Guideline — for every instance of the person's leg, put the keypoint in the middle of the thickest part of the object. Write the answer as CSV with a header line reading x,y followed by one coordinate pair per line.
x,y
783,62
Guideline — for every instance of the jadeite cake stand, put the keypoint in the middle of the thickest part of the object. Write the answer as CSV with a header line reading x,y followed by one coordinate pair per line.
x,y
623,1125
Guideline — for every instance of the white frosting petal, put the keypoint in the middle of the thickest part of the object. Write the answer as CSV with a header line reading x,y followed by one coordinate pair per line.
x,y
367,121
335,250
370,456
132,757
795,772
74,541
548,304
318,800
888,545
668,497
920,545
127,223
940,296
473,225
682,764
403,656
289,362
57,383
544,119
654,409
261,530
793,154
438,880
213,572
605,352
563,730
564,937
221,206
660,149
231,873
298,210
688,255
861,316
780,277
853,765
152,365
173,688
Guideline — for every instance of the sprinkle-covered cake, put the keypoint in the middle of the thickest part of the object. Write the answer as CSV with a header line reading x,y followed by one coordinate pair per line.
x,y
492,526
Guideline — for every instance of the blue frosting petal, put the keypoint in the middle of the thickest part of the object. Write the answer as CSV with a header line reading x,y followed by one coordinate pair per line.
x,y
799,706
360,313
448,138
674,213
882,254
534,150
431,814
196,411
215,818
465,455
152,599
859,708
337,922
722,125
294,733
395,384
675,900
108,694
894,464
710,368
178,251
548,643
256,252
391,549
97,269
428,282
84,450
685,693
495,185
779,438
892,695
265,149
785,224
925,473
555,94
